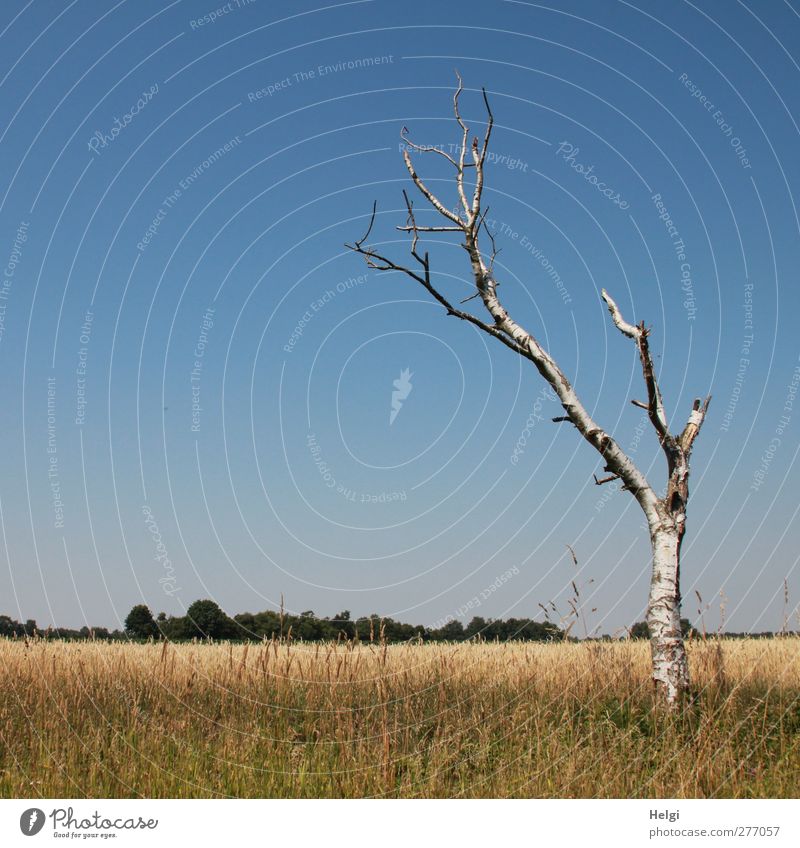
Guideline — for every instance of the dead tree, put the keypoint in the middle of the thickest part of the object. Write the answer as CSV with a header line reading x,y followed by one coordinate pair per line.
x,y
666,516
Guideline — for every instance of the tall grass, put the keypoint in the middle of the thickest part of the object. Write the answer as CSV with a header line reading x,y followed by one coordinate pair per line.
x,y
326,720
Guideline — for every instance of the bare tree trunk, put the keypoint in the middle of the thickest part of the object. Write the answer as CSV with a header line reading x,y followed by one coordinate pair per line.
x,y
666,517
670,665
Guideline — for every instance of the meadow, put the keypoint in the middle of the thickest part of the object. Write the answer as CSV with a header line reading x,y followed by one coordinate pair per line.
x,y
272,719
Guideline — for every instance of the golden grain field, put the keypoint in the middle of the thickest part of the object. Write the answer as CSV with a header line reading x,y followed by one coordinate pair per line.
x,y
535,720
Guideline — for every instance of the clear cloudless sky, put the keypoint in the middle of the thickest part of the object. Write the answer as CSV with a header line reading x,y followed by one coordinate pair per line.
x,y
198,377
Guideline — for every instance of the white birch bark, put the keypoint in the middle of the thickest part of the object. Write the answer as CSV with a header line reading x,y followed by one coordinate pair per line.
x,y
670,664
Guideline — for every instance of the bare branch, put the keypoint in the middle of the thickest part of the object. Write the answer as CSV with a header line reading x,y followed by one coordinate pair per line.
x,y
608,448
427,148
696,418
489,126
631,331
412,226
640,404
379,262
489,233
655,403
429,195
371,222
462,151
602,480
479,159
457,111
408,229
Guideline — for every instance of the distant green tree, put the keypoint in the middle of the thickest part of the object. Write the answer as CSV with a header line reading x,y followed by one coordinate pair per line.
x,y
262,625
341,623
475,627
246,625
206,620
140,623
453,631
174,628
308,627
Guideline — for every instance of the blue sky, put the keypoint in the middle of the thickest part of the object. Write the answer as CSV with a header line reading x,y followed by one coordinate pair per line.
x,y
179,182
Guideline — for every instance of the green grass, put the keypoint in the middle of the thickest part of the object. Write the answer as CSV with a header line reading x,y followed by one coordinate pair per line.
x,y
492,720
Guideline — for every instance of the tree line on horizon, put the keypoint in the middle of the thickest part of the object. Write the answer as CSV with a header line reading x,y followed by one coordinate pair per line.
x,y
205,619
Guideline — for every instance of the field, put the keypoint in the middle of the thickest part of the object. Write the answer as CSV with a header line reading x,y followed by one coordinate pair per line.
x,y
489,720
